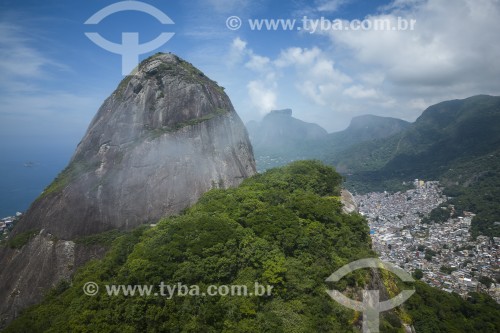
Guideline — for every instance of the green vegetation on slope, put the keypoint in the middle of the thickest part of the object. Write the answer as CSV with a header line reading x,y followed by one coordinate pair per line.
x,y
64,178
282,228
436,311
21,239
168,129
475,186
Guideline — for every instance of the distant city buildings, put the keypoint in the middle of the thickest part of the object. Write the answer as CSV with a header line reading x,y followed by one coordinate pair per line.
x,y
445,252
7,223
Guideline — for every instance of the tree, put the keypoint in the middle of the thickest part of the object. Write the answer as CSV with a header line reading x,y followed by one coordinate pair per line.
x,y
486,281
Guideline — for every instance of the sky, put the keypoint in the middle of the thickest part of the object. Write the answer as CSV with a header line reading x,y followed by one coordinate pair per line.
x,y
53,78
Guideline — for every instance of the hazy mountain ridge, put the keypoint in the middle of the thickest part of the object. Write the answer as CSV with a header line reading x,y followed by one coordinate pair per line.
x,y
279,130
365,128
444,132
280,138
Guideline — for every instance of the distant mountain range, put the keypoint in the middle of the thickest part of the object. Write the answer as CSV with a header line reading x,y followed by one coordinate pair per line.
x,y
362,129
443,134
280,138
456,142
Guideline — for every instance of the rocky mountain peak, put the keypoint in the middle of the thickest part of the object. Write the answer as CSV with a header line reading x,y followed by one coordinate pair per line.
x,y
164,137
165,94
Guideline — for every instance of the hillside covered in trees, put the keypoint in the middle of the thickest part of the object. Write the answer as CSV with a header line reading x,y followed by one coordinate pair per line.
x,y
283,228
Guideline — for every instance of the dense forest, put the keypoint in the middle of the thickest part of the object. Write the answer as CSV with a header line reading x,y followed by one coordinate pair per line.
x,y
283,228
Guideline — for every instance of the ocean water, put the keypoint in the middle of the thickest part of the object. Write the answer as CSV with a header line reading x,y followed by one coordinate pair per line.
x,y
25,173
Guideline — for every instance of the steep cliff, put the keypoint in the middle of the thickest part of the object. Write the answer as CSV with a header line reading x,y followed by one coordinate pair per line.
x,y
164,137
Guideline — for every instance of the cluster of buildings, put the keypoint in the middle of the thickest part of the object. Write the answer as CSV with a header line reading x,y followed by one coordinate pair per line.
x,y
7,223
444,252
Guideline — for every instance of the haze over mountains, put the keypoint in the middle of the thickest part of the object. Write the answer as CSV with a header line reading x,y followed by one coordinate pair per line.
x,y
279,130
365,128
280,138
444,133
457,142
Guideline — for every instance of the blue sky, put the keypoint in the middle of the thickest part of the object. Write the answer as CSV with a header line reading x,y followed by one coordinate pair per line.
x,y
54,78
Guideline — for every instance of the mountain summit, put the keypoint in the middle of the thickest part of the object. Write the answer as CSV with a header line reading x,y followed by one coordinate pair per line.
x,y
280,134
165,136
279,130
369,127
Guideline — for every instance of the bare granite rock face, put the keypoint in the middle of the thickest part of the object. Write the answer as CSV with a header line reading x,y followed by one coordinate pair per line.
x,y
27,274
165,136
162,139
348,203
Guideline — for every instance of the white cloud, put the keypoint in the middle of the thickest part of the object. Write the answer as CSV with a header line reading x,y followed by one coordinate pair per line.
x,y
450,44
262,96
318,7
402,4
237,51
316,75
452,53
297,56
261,91
417,103
360,92
330,5
323,70
239,45
258,63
